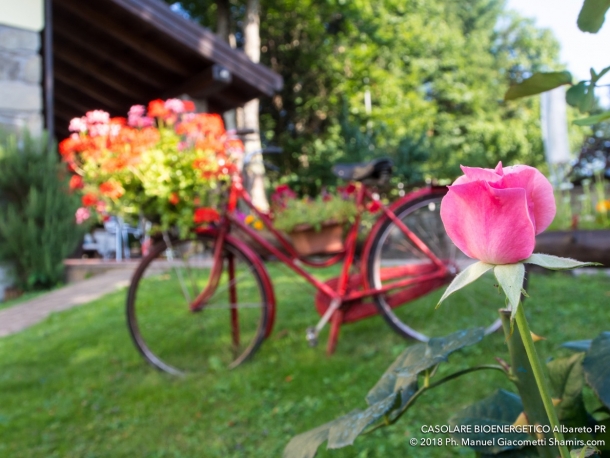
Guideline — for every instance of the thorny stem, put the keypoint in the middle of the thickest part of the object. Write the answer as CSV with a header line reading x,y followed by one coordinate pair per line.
x,y
532,355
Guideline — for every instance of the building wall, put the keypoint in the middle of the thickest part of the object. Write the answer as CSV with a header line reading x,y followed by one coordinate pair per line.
x,y
21,98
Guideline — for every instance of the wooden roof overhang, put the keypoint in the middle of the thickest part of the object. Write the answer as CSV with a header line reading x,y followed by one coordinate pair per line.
x,y
111,54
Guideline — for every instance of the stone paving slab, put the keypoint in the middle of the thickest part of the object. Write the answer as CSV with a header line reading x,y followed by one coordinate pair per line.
x,y
21,316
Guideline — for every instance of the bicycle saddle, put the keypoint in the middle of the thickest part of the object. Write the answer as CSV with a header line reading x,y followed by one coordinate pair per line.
x,y
377,169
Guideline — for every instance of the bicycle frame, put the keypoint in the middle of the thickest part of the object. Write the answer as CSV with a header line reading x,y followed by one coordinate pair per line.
x,y
338,296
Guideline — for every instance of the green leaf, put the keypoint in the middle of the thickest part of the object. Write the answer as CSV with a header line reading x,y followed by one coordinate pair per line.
x,y
566,377
583,452
581,96
591,120
592,15
537,83
345,431
391,383
602,73
500,409
577,345
420,357
597,367
306,445
465,277
556,263
510,277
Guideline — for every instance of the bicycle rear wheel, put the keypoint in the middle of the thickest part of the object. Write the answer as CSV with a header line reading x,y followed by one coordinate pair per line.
x,y
228,329
411,311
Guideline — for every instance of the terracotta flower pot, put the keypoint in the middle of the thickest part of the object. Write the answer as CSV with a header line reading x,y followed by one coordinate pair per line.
x,y
307,241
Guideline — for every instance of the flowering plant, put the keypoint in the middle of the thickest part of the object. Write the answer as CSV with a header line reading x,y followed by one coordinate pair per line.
x,y
162,161
289,212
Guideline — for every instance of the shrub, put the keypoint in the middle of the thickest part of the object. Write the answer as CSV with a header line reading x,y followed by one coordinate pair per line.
x,y
38,228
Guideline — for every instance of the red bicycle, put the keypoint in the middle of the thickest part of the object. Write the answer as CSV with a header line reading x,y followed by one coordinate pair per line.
x,y
405,262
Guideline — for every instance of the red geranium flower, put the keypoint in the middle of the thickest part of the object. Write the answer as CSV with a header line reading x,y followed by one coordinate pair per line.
x,y
350,189
374,206
89,200
173,198
156,109
189,105
111,189
76,182
69,145
205,215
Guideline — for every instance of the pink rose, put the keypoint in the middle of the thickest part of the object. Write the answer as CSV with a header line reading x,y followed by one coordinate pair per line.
x,y
495,215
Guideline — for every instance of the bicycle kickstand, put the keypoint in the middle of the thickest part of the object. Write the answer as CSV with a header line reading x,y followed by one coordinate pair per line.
x,y
312,332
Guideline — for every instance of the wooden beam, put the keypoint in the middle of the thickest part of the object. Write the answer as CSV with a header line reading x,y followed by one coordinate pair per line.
x,y
203,42
76,63
65,91
126,35
93,89
209,81
61,112
228,97
71,102
132,65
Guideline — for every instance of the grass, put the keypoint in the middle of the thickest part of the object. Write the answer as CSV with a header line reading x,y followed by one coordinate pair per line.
x,y
74,385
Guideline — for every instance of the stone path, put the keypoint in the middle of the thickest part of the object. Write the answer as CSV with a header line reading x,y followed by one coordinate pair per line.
x,y
21,316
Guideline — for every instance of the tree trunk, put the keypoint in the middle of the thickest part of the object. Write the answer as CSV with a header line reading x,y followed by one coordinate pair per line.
x,y
256,172
225,31
223,19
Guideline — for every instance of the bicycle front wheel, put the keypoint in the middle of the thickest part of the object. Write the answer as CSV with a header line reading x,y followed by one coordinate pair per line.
x,y
227,330
411,311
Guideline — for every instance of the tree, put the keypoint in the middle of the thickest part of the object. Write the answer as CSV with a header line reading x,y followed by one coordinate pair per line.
x,y
435,72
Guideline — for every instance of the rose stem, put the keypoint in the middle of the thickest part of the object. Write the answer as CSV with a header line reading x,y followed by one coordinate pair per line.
x,y
532,355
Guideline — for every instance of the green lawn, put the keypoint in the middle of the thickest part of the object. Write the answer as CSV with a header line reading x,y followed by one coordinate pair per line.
x,y
74,385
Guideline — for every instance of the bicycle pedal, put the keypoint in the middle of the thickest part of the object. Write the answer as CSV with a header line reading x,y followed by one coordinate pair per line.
x,y
312,337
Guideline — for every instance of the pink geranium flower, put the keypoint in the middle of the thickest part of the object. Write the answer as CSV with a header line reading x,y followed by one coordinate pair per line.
x,y
97,117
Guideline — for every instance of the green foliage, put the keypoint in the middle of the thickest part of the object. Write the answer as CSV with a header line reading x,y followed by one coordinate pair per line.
x,y
592,15
597,367
567,381
434,70
537,83
582,94
37,229
501,409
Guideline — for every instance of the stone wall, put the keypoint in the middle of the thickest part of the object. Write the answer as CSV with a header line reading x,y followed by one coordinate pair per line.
x,y
20,80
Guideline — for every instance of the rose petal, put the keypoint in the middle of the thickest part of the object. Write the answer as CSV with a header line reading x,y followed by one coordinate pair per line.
x,y
499,169
539,193
489,224
476,173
